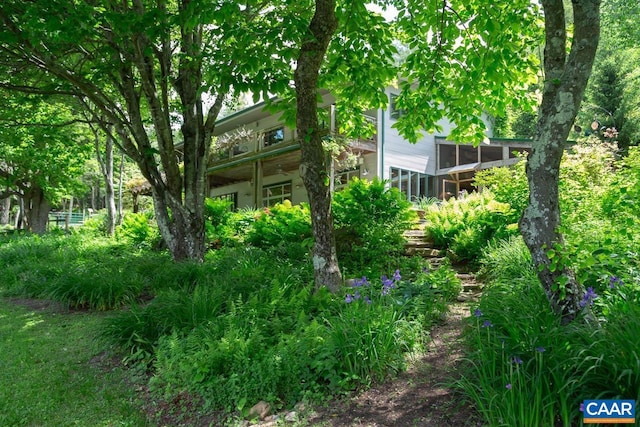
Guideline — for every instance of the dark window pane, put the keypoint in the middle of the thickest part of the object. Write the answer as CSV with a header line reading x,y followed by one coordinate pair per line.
x,y
490,154
447,156
468,154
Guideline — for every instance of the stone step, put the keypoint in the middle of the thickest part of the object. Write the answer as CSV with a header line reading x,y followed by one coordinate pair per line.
x,y
471,287
425,252
414,233
436,263
418,244
469,297
466,277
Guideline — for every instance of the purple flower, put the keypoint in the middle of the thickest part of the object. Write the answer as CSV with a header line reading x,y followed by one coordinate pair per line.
x,y
582,407
357,295
386,282
348,299
360,282
477,312
516,360
487,324
397,276
613,280
588,297
367,300
540,349
508,386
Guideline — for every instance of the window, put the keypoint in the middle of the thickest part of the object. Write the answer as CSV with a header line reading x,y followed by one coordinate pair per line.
x,y
468,154
342,178
230,197
394,111
447,157
490,154
276,193
413,185
273,136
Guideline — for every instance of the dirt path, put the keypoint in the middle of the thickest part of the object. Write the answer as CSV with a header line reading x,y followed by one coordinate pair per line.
x,y
418,397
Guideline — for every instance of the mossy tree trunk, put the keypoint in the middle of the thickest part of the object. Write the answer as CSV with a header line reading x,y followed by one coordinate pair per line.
x,y
313,166
566,76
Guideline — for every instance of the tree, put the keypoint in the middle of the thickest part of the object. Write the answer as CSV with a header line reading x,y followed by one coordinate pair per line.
x,y
145,66
313,166
565,79
612,97
105,163
43,148
348,50
468,60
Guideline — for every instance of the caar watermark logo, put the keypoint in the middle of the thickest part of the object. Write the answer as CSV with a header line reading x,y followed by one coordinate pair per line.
x,y
609,411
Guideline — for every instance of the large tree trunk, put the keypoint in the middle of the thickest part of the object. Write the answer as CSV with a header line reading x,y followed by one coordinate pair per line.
x,y
565,82
182,231
37,210
313,167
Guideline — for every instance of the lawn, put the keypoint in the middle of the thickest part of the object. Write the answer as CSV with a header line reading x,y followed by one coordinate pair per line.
x,y
53,372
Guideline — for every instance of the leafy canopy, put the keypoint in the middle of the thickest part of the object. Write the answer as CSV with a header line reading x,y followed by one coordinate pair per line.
x,y
41,145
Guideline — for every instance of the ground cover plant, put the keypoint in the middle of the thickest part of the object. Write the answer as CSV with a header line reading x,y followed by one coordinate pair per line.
x,y
246,324
253,329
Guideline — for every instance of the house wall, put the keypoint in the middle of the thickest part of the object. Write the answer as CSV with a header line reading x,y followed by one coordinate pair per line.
x,y
395,151
392,151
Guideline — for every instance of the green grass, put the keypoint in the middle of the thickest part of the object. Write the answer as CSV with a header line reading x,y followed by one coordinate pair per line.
x,y
48,376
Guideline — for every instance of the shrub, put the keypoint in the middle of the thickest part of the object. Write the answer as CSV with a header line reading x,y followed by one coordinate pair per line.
x,y
284,226
136,229
620,201
370,220
465,226
508,185
217,214
95,225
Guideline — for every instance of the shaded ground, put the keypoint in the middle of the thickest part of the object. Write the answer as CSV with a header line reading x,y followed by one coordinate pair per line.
x,y
419,396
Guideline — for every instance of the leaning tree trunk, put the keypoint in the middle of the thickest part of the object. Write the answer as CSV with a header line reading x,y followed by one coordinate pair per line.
x,y
565,82
313,166
37,210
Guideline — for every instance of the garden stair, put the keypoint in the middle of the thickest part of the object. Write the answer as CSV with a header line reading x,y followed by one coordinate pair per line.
x,y
418,243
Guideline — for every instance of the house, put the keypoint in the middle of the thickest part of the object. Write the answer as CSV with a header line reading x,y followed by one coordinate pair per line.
x,y
260,165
